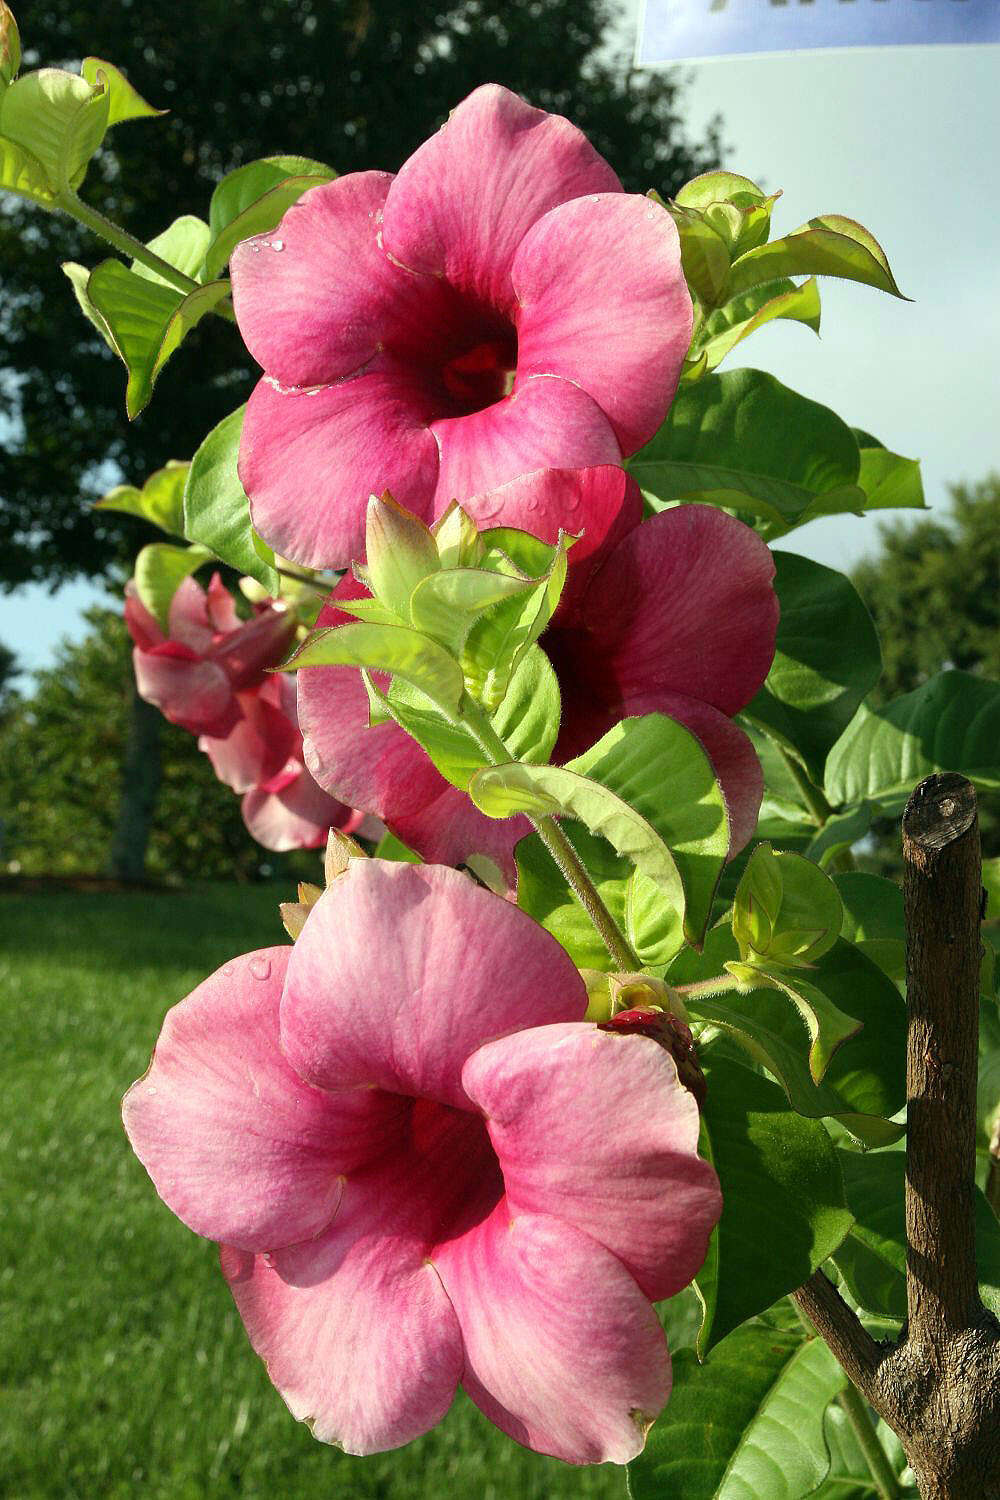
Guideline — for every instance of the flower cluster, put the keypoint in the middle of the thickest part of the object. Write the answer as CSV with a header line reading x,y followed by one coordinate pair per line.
x,y
209,673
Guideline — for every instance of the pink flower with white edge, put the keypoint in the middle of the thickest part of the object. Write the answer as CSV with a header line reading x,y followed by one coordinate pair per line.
x,y
407,1140
499,306
676,615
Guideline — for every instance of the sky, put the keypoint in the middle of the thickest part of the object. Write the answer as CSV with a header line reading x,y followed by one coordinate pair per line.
x,y
902,139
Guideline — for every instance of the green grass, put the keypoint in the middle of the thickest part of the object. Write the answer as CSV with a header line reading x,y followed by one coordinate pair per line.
x,y
123,1365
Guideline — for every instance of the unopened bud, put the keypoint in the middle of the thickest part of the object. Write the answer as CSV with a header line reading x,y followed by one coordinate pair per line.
x,y
340,850
673,1034
10,45
400,552
294,913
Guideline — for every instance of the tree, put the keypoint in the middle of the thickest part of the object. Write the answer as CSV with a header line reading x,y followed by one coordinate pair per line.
x,y
350,82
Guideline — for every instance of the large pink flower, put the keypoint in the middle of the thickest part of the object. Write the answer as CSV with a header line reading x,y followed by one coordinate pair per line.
x,y
676,615
499,306
404,1135
209,674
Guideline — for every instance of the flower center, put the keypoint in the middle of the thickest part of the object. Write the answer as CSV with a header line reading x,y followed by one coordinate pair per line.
x,y
483,374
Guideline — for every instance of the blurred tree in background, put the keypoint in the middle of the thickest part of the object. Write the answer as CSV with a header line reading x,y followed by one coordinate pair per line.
x,y
356,83
933,590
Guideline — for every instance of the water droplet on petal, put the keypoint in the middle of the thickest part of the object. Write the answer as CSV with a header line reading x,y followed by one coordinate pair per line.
x,y
151,1089
228,969
260,968
277,244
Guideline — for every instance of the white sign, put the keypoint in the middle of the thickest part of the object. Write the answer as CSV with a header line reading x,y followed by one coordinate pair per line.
x,y
682,30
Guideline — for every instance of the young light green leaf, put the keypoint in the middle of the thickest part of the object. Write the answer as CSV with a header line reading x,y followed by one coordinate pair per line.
x,y
704,255
745,1425
730,324
386,648
949,723
254,198
124,102
182,244
399,553
216,508
10,46
647,787
784,1206
828,1026
499,638
390,847
23,174
58,118
828,245
160,569
161,499
447,604
744,441
827,657
79,277
786,913
720,187
147,321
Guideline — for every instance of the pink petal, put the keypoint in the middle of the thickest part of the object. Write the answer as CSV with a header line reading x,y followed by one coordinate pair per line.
x,y
188,617
545,423
318,297
464,200
310,459
551,1096
237,1145
600,505
403,970
256,748
562,1350
686,604
246,653
221,607
298,816
357,1332
194,694
142,626
381,770
603,302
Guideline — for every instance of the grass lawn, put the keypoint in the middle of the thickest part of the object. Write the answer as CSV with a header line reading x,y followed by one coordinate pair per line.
x,y
124,1368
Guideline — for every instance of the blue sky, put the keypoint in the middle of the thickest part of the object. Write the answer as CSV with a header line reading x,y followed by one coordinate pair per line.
x,y
903,139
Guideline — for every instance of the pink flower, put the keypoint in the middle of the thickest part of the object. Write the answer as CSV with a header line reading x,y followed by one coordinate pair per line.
x,y
209,675
677,616
409,1144
499,306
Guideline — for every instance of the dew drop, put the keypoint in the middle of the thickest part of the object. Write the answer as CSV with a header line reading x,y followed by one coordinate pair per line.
x,y
151,1090
228,970
260,968
255,249
277,244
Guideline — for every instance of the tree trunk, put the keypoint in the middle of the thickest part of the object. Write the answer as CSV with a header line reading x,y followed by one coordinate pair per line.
x,y
141,773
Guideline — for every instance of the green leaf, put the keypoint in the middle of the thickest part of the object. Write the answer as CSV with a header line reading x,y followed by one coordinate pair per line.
x,y
826,659
160,569
840,831
730,324
648,787
447,604
890,482
745,1425
10,46
58,118
828,1026
390,847
23,174
950,723
498,639
704,256
850,1477
786,911
79,278
182,244
653,927
216,509
527,721
386,648
399,554
873,919
746,442
254,198
829,245
784,1207
872,1260
161,499
147,321
864,1084
988,1086
124,102
543,893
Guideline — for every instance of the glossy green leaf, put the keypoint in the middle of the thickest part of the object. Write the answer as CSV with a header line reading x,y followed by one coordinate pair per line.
x,y
647,787
850,1477
58,118
254,198
745,1425
653,927
182,244
840,831
829,245
890,482
216,509
498,639
786,911
738,319
147,321
744,441
79,278
161,499
826,659
124,102
386,648
873,918
872,1260
160,569
23,174
950,723
399,554
864,1084
784,1207
10,46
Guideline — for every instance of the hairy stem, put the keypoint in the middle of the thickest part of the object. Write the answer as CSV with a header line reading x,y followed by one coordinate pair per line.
x,y
813,798
884,1477
721,986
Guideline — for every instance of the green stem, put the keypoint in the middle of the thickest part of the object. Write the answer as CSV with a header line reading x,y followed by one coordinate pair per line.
x,y
721,986
558,845
98,223
813,798
884,1476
